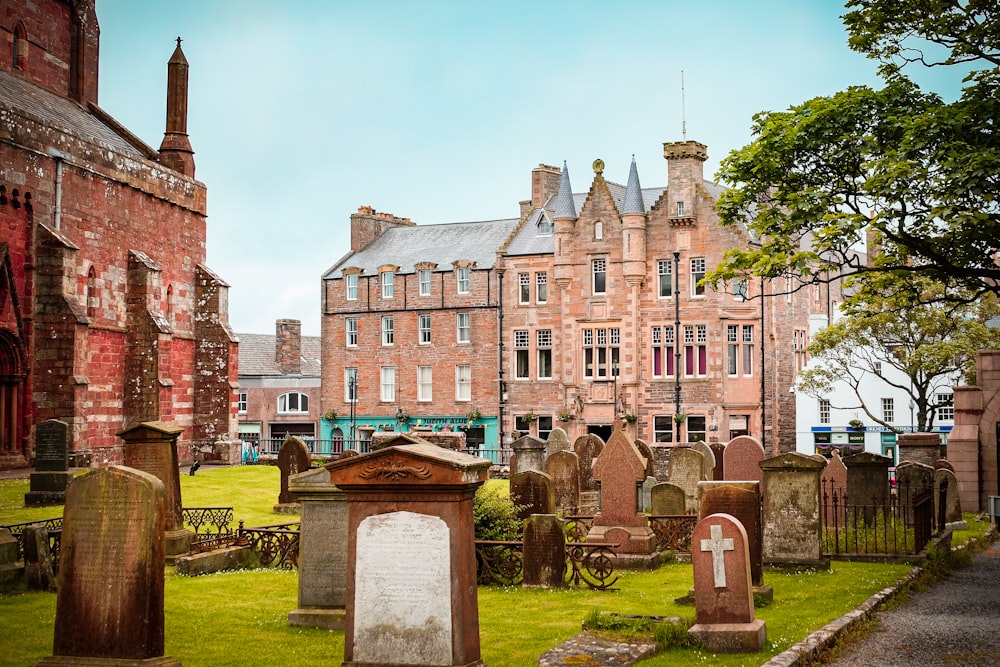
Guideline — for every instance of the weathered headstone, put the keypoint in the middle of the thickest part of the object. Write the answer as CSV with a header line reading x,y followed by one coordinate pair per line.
x,y
719,450
687,469
647,454
10,570
619,469
667,499
152,447
47,485
534,492
944,463
912,479
529,454
709,455
411,571
563,467
742,501
109,609
740,462
867,484
556,442
952,508
723,600
588,448
38,558
792,511
322,561
834,477
646,493
544,552
293,458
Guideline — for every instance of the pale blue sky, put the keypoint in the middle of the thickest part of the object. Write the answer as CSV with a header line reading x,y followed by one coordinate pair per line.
x,y
302,111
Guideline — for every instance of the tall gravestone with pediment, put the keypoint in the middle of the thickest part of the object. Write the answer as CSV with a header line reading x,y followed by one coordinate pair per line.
x,y
322,561
48,482
411,556
792,511
293,458
620,469
109,610
152,447
529,454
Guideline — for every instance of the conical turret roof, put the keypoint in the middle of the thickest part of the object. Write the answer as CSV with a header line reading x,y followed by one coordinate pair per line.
x,y
633,192
564,206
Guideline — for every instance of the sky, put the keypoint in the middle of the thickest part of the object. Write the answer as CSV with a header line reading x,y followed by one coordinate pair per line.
x,y
301,111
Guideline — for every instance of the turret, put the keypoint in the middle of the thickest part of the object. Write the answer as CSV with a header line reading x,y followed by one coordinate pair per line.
x,y
564,219
633,229
175,151
685,174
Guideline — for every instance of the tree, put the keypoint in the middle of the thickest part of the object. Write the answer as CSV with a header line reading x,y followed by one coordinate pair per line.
x,y
928,345
915,178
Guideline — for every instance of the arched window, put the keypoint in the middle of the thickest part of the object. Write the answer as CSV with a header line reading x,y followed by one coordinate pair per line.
x,y
598,230
93,300
19,50
294,402
170,304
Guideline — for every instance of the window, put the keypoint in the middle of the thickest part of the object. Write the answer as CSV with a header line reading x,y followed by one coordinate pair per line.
x,y
388,284
598,230
20,46
544,426
545,226
695,350
388,331
544,354
741,288
666,273
877,367
463,321
732,349
600,270
824,411
424,282
293,402
695,428
521,352
600,353
747,350
351,385
524,288
541,287
663,428
463,383
425,383
463,280
424,327
697,273
351,281
945,406
888,410
387,383
351,327
521,424
680,209
241,402
663,351
799,347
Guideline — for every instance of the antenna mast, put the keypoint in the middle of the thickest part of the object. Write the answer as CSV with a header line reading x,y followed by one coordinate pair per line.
x,y
684,127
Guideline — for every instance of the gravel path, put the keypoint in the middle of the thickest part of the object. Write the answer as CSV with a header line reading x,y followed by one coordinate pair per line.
x,y
954,623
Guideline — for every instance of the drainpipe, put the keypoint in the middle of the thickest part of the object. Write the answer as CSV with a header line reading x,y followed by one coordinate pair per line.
x,y
59,157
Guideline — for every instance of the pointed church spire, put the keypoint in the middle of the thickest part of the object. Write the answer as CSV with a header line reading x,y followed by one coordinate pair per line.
x,y
633,192
564,207
175,151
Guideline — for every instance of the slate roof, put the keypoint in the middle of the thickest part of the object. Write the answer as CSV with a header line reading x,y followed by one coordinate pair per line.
x,y
25,98
441,244
257,355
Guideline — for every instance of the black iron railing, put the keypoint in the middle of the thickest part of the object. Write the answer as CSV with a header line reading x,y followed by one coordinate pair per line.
x,y
900,523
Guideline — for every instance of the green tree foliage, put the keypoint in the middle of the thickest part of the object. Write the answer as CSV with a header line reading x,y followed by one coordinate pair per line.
x,y
929,346
916,178
495,515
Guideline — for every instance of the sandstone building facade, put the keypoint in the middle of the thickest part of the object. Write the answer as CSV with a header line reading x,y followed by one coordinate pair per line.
x,y
584,309
108,314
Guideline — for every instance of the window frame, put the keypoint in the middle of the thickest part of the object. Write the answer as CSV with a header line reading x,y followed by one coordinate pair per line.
x,y
599,276
424,282
425,384
523,289
542,287
522,354
351,287
388,331
543,346
463,382
665,278
387,384
349,395
423,329
284,402
241,402
463,280
388,280
351,331
463,324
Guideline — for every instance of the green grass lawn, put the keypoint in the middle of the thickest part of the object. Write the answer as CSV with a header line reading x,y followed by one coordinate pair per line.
x,y
239,618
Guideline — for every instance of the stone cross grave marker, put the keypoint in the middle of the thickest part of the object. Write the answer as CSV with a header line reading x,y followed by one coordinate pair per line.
x,y
110,602
741,459
293,458
740,500
724,613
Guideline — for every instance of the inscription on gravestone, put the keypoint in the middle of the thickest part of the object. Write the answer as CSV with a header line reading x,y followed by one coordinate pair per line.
x,y
51,446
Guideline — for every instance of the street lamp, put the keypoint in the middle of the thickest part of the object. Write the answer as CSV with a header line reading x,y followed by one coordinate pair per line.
x,y
677,344
352,390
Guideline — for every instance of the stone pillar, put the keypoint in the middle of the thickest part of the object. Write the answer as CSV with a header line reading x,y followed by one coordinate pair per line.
x,y
919,447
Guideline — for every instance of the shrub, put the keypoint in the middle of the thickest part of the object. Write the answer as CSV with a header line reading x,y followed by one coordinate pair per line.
x,y
495,516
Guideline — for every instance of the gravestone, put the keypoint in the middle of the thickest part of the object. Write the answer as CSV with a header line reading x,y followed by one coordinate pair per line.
x,y
544,552
619,469
723,600
563,467
411,571
912,479
647,454
529,454
556,442
740,462
834,477
792,511
686,470
10,570
293,458
587,449
709,455
534,492
667,499
719,451
740,500
348,453
952,507
47,485
38,558
109,609
322,561
944,463
867,484
152,447
646,493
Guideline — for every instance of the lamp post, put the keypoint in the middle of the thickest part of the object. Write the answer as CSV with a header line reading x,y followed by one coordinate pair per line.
x,y
352,386
677,344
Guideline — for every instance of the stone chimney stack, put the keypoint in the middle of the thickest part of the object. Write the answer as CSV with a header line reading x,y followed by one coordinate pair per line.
x,y
288,346
544,185
368,224
685,175
175,151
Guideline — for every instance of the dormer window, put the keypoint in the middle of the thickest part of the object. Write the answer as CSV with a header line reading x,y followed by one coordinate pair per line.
x,y
545,227
388,284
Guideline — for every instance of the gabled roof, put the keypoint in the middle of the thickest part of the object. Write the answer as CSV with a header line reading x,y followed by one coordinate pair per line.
x,y
441,244
257,356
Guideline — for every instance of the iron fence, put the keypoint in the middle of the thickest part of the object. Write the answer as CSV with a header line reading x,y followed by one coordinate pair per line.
x,y
900,523
54,528
501,563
